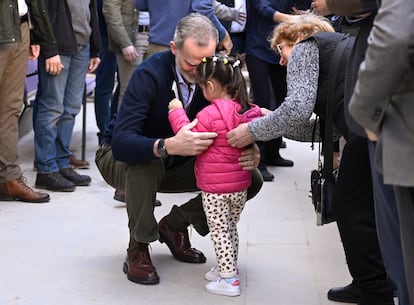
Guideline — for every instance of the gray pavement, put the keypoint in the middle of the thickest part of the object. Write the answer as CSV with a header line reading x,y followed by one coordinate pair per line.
x,y
70,251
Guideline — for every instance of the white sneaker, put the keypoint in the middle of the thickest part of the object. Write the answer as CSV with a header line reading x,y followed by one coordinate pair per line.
x,y
214,274
229,287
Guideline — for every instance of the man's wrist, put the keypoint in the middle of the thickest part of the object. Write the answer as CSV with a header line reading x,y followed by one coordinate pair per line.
x,y
161,149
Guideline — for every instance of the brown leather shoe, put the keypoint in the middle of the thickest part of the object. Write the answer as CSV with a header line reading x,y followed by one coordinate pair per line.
x,y
179,244
18,190
78,164
138,265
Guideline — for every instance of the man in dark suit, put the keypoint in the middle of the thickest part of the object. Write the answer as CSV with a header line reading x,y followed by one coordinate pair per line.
x,y
380,214
383,103
143,156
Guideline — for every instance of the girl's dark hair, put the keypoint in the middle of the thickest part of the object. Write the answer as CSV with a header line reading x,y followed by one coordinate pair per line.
x,y
225,69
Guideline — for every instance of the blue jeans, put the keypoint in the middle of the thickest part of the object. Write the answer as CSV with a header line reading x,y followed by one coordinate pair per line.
x,y
58,101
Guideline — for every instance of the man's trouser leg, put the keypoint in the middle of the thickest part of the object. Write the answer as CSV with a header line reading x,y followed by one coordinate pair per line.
x,y
13,65
140,183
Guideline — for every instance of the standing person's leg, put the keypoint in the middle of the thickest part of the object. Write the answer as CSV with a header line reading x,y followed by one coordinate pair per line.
x,y
72,102
217,210
105,81
219,213
405,205
47,112
388,229
125,70
260,85
279,87
236,208
105,78
13,65
354,211
141,45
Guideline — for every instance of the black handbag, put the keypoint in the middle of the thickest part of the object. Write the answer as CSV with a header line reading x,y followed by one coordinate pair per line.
x,y
324,178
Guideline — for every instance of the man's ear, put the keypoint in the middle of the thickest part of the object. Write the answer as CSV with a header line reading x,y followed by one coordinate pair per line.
x,y
173,47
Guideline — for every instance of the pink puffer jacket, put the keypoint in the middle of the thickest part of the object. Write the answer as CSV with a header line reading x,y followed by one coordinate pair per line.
x,y
217,169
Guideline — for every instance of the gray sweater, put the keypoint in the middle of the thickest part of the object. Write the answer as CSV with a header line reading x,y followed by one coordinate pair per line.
x,y
81,18
292,119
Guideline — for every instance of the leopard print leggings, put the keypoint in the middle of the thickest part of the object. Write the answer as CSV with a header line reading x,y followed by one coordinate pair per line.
x,y
223,213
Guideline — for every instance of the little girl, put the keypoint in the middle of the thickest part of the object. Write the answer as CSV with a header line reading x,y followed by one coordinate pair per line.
x,y
219,176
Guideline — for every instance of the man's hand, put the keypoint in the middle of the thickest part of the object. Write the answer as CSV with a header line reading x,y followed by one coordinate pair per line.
x,y
93,64
189,143
241,16
320,7
54,65
239,136
130,54
371,135
226,44
250,158
34,51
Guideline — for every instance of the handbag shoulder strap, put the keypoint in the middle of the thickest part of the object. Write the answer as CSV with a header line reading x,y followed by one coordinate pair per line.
x,y
333,72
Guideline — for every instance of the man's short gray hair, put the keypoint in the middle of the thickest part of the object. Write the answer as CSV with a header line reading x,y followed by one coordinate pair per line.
x,y
197,26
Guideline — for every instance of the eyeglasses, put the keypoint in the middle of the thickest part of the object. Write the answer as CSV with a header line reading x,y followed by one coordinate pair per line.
x,y
279,48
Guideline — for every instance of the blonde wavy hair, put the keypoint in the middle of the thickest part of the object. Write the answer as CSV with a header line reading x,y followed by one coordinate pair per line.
x,y
299,28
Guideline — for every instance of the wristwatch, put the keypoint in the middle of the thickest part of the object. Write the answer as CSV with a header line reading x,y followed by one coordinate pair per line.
x,y
161,149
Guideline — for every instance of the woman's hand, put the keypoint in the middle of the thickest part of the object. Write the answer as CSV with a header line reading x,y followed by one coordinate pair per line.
x,y
239,136
265,111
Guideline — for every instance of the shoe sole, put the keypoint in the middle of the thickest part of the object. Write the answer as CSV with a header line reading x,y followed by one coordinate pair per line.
x,y
162,240
81,183
119,198
344,300
45,187
12,198
80,167
223,292
139,280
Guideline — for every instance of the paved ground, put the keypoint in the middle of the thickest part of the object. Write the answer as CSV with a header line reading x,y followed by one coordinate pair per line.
x,y
70,251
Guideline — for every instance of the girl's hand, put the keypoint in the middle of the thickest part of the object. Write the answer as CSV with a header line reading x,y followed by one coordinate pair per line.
x,y
175,104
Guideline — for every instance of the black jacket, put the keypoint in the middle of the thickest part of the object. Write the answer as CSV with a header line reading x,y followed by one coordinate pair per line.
x,y
354,8
60,17
327,43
